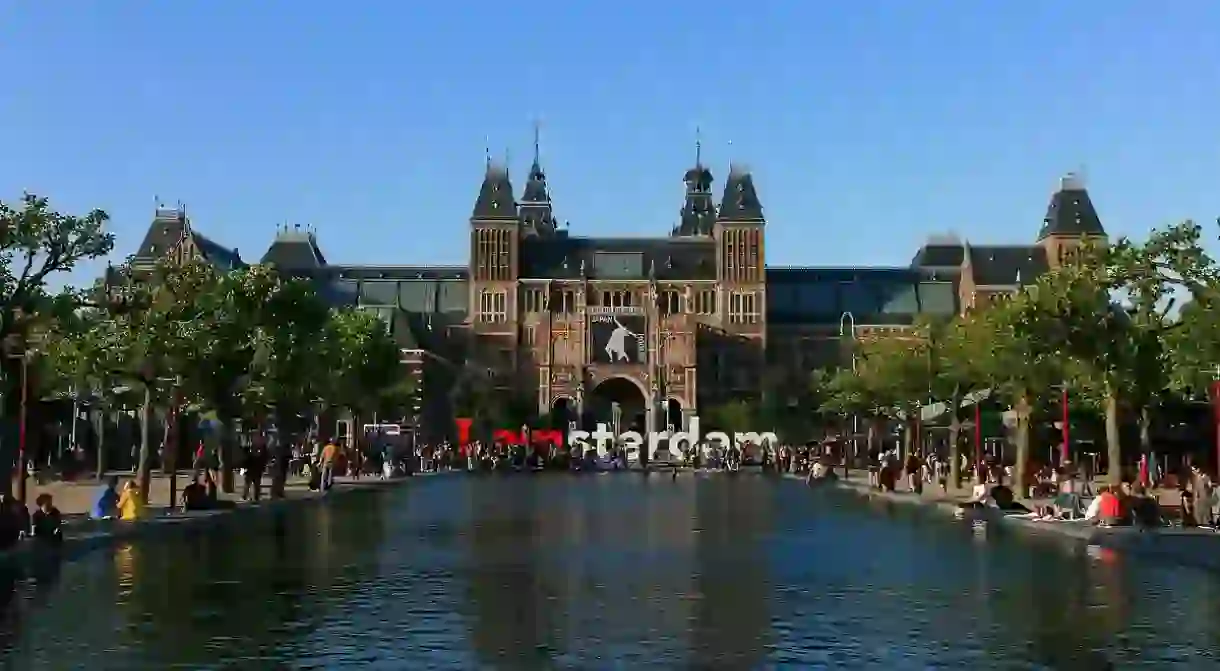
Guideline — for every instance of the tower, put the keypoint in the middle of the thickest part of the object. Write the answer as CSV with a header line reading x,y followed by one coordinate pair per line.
x,y
741,277
495,233
1070,222
698,214
537,217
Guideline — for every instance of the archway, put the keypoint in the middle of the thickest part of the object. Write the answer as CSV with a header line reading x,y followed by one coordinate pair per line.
x,y
563,410
614,392
673,415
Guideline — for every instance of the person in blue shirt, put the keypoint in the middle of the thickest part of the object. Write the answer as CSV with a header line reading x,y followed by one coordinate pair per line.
x,y
105,506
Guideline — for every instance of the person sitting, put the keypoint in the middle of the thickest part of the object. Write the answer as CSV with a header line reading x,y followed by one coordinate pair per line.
x,y
194,496
1004,499
46,524
131,502
1145,513
106,505
1109,508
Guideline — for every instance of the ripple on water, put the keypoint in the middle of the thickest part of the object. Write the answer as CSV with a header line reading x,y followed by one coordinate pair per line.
x,y
612,572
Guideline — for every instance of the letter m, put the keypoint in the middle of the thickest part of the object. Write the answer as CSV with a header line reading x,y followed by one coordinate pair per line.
x,y
506,436
542,437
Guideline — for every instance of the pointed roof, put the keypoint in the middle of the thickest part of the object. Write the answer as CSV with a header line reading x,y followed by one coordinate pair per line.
x,y
295,249
1071,212
169,227
698,214
740,201
495,201
536,191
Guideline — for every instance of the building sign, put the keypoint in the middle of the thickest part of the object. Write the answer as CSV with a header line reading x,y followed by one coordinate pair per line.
x,y
618,338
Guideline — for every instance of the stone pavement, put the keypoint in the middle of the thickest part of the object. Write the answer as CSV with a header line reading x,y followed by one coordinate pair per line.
x,y
75,499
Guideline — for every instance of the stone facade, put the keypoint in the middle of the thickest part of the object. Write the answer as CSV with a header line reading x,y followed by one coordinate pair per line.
x,y
704,318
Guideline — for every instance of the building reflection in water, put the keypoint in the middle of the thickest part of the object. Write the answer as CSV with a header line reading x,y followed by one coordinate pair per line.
x,y
616,566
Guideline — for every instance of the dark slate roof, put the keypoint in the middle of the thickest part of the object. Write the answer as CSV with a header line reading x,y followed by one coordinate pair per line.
x,y
496,200
216,254
535,187
295,250
1006,265
740,201
399,272
164,232
1071,212
939,254
872,296
665,258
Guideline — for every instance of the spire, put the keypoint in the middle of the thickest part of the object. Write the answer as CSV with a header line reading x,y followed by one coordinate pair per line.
x,y
537,143
698,213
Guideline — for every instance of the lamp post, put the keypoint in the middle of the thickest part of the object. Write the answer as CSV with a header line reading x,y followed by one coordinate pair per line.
x,y
21,426
847,325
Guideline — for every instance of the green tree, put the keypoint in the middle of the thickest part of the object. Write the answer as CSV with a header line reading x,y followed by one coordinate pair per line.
x,y
366,368
290,367
38,243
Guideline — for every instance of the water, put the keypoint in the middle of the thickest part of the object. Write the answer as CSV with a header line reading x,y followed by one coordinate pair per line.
x,y
611,571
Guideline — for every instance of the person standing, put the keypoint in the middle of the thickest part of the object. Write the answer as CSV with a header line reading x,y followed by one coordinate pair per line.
x,y
329,454
256,465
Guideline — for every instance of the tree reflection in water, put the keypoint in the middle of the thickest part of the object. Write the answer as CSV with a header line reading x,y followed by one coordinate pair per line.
x,y
234,592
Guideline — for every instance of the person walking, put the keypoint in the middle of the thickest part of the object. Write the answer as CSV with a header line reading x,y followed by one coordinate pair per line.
x,y
330,454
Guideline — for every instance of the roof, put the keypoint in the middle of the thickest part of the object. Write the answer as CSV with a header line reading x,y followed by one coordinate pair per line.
x,y
740,201
496,200
872,296
672,258
163,234
216,254
295,250
1006,265
1071,212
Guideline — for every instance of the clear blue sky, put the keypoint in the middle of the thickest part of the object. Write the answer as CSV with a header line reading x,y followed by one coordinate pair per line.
x,y
870,124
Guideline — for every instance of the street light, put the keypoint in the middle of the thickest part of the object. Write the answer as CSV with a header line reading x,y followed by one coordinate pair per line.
x,y
847,324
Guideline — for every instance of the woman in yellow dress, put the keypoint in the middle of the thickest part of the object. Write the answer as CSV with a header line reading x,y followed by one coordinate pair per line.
x,y
131,502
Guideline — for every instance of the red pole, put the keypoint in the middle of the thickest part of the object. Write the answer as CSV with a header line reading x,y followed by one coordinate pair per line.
x,y
21,420
1216,410
1063,449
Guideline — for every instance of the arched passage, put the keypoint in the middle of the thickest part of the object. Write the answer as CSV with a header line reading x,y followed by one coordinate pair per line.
x,y
601,402
563,410
673,415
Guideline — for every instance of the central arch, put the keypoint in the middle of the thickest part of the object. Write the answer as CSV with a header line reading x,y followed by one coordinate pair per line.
x,y
600,403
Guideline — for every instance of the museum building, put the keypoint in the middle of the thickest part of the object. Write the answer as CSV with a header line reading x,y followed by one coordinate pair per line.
x,y
654,328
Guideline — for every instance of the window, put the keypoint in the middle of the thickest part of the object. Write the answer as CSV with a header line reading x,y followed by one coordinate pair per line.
x,y
743,307
563,301
616,299
705,302
493,306
669,302
533,300
529,336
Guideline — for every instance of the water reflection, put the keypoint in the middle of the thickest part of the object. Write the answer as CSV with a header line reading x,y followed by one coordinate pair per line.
x,y
612,570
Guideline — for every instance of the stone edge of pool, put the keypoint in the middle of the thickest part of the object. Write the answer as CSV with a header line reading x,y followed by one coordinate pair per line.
x,y
1198,549
77,544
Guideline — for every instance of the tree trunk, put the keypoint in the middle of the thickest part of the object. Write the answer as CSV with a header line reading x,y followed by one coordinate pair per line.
x,y
1022,438
287,425
225,452
1146,433
1114,452
955,451
908,435
144,467
167,462
101,443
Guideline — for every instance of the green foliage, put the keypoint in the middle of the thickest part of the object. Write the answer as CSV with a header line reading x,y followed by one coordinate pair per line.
x,y
365,362
36,243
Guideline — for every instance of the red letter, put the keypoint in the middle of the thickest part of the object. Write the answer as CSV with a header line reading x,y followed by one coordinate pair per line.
x,y
541,438
506,437
463,428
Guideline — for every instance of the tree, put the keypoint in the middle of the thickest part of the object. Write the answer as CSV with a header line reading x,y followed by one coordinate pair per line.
x,y
958,353
366,364
290,365
37,243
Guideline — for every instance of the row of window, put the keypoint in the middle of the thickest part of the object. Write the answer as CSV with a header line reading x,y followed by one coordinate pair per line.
x,y
669,301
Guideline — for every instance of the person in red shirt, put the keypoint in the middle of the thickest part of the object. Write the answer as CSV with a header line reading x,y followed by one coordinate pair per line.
x,y
1110,510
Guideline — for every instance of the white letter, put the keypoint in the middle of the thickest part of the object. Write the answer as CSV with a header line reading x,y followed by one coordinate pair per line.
x,y
632,439
602,436
654,444
578,442
718,439
691,437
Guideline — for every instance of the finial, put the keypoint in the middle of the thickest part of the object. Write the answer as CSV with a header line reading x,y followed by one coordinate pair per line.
x,y
698,146
487,151
537,141
507,162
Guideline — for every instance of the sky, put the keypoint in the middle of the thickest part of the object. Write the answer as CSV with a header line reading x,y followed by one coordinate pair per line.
x,y
870,125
